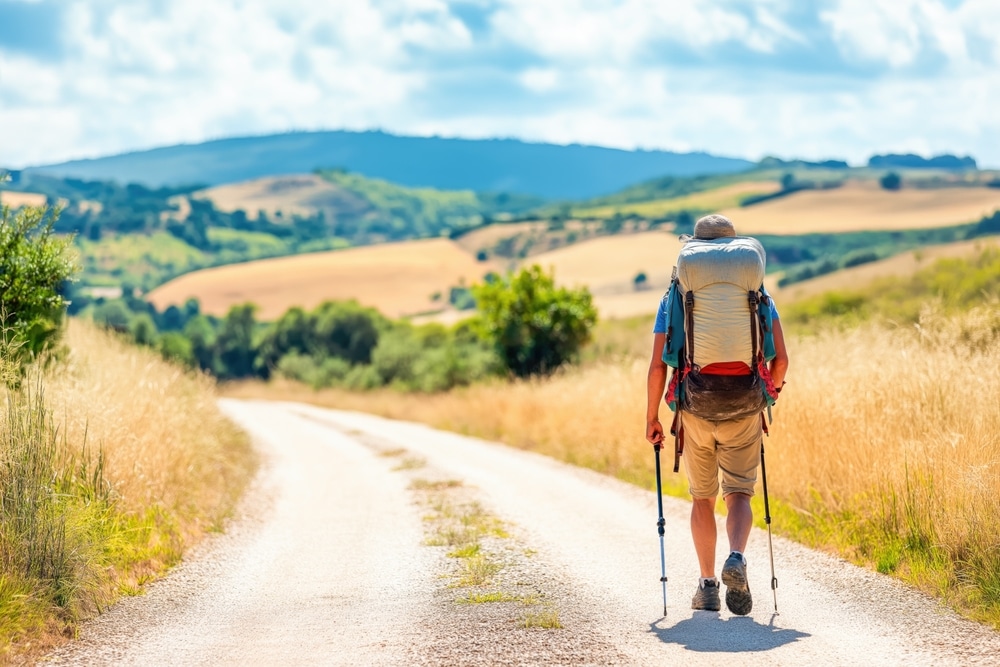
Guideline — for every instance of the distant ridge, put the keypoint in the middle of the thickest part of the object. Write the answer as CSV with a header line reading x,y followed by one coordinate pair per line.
x,y
483,165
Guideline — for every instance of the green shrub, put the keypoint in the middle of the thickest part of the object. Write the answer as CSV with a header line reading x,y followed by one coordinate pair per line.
x,y
534,326
859,257
143,330
175,346
362,378
34,267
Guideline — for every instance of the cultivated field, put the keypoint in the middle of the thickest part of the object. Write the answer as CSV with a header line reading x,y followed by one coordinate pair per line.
x,y
710,200
865,206
489,236
904,264
397,278
301,194
19,199
608,266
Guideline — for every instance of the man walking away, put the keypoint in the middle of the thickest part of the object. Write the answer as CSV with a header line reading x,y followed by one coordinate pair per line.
x,y
716,435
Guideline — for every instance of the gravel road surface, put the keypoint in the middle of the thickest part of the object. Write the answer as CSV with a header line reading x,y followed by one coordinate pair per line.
x,y
333,562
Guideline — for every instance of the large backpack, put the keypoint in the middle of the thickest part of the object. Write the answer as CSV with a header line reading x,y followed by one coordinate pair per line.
x,y
719,312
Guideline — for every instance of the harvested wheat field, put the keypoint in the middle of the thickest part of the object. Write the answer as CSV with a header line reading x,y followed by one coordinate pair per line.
x,y
717,198
865,206
608,266
300,194
396,278
904,264
19,199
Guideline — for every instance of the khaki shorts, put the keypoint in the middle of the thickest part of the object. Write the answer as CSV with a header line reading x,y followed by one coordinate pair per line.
x,y
730,446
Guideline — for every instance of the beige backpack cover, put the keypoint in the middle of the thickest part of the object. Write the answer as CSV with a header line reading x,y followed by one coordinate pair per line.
x,y
721,272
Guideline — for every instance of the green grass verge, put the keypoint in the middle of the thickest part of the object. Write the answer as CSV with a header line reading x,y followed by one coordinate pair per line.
x,y
67,548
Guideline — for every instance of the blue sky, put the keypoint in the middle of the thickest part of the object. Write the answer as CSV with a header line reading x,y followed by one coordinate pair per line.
x,y
831,78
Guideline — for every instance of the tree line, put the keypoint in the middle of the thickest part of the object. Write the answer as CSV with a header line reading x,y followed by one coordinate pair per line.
x,y
526,325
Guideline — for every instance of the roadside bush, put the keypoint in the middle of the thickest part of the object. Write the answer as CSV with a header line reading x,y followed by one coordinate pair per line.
x,y
534,326
35,265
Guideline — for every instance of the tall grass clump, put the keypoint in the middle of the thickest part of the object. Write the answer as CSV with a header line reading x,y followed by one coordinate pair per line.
x,y
112,464
888,443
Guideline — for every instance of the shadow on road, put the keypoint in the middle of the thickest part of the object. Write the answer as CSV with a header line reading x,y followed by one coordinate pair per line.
x,y
707,632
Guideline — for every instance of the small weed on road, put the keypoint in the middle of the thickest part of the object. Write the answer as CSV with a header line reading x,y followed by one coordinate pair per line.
x,y
546,618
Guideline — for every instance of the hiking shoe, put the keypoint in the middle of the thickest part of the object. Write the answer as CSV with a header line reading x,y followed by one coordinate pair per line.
x,y
734,576
706,598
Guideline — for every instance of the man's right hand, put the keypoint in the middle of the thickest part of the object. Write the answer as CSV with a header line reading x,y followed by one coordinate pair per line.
x,y
654,431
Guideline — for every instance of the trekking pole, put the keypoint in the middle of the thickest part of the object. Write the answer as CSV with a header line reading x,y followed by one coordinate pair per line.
x,y
660,523
767,520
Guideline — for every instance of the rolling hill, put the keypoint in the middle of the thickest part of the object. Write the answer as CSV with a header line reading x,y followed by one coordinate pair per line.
x,y
898,266
397,278
861,206
487,165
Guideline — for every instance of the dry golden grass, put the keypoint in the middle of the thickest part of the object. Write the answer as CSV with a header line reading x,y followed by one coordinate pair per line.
x,y
397,278
19,199
865,206
301,194
124,457
164,439
711,200
887,440
902,265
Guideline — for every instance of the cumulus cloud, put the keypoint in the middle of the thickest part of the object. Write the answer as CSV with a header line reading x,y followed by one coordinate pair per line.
x,y
738,77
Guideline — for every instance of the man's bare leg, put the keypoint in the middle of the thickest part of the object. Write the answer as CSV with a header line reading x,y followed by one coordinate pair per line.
x,y
704,533
738,521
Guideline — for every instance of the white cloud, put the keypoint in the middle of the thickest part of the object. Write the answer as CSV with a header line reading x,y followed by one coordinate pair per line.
x,y
897,32
630,73
618,31
540,79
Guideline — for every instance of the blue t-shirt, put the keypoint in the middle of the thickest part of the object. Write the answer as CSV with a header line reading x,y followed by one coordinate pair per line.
x,y
663,314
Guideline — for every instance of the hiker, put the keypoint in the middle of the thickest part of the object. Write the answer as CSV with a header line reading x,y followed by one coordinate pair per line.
x,y
727,436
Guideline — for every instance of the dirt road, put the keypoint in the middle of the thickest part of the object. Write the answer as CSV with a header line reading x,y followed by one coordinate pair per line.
x,y
332,564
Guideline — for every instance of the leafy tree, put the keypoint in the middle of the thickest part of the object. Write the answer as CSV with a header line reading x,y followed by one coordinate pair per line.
x,y
292,334
237,354
175,346
35,267
114,314
891,181
684,224
614,224
347,330
534,326
787,181
144,330
201,333
173,319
